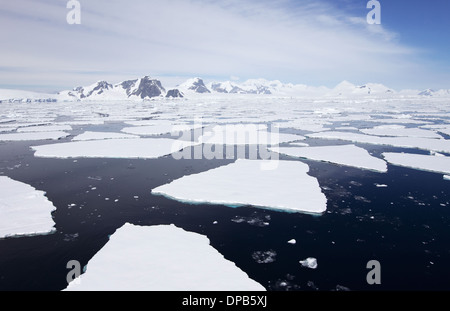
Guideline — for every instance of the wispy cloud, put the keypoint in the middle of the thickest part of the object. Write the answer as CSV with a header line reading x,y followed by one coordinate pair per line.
x,y
312,42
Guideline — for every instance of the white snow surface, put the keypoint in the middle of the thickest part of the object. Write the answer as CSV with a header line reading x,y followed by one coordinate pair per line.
x,y
348,155
285,187
45,128
144,148
245,134
102,135
161,258
160,129
23,210
438,164
440,145
400,131
33,136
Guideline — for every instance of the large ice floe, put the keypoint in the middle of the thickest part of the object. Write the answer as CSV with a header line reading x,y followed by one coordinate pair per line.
x,y
348,155
437,164
23,210
161,258
102,135
143,148
284,185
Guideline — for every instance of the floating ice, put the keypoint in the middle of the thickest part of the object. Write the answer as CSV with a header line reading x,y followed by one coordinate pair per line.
x,y
293,241
245,134
161,258
160,129
23,210
264,256
441,145
348,155
400,131
446,177
102,135
33,136
287,187
436,164
144,148
309,263
45,128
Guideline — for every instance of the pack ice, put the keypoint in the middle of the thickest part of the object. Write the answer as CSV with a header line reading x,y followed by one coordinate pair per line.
x,y
271,184
23,210
161,258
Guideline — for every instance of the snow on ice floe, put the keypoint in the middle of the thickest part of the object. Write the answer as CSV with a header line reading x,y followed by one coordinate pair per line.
x,y
400,131
160,129
285,187
102,135
348,155
437,164
143,148
33,136
440,145
245,134
23,210
44,128
161,258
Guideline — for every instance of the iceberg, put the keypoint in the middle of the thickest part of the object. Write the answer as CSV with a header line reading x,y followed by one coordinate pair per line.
x,y
161,258
142,148
437,164
23,210
348,155
309,263
286,187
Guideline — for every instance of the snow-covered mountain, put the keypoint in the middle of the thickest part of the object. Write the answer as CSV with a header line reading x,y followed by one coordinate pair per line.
x,y
138,89
147,88
430,92
194,85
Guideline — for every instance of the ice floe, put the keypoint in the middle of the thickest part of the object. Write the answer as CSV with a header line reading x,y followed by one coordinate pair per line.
x,y
400,131
161,258
286,187
44,128
143,148
436,164
33,136
245,134
160,129
348,155
440,145
102,135
23,209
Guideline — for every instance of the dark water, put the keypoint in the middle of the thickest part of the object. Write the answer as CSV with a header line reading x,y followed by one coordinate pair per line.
x,y
404,226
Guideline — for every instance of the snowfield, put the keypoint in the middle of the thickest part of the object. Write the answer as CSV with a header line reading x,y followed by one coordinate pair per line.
x,y
161,258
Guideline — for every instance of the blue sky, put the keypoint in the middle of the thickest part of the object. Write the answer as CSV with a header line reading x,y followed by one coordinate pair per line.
x,y
320,42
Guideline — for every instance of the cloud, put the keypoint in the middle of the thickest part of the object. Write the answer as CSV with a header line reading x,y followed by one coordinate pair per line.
x,y
312,43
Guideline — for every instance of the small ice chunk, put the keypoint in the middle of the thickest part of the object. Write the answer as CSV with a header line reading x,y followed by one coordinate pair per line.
x,y
264,256
310,262
293,241
381,185
446,177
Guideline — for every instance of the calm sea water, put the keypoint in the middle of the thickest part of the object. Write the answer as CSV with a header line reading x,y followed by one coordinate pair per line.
x,y
404,226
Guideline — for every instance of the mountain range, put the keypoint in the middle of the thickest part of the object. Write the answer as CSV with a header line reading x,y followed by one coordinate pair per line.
x,y
147,88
